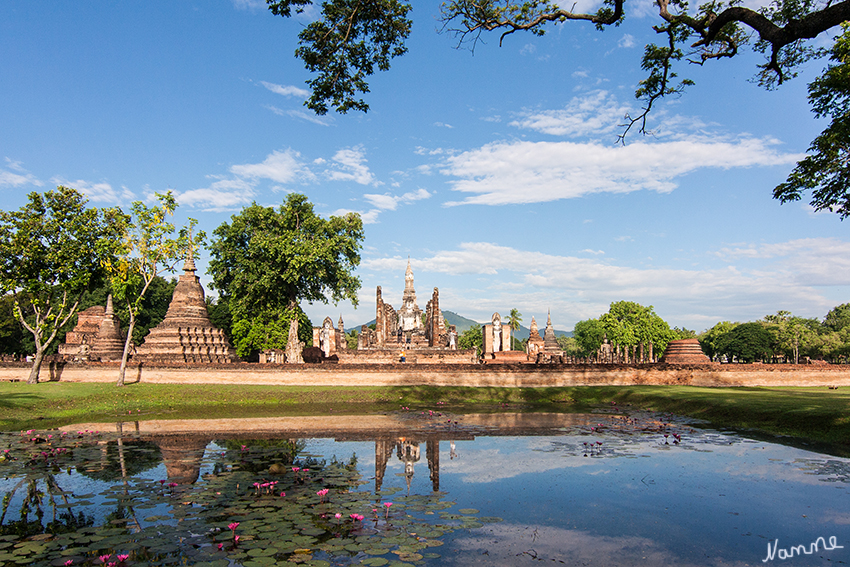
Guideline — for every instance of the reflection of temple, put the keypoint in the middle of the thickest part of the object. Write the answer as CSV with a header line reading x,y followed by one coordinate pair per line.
x,y
408,452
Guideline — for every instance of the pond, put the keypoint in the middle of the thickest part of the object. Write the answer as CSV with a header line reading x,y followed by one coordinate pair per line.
x,y
419,487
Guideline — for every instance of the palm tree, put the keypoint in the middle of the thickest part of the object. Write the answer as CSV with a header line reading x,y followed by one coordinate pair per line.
x,y
514,319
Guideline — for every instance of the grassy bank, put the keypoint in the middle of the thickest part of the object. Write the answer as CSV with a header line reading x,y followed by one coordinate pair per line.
x,y
815,414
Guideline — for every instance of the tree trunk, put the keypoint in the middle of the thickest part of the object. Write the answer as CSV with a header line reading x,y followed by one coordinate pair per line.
x,y
36,365
126,353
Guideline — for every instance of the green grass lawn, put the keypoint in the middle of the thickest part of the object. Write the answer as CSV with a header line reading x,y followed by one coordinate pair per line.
x,y
808,414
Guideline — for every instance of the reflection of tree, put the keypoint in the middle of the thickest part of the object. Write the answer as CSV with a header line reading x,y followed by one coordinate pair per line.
x,y
112,467
257,455
33,503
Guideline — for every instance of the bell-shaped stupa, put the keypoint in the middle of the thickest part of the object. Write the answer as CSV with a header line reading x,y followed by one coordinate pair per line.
x,y
186,334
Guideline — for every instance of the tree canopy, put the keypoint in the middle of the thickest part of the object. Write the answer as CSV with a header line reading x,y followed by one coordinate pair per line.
x,y
350,39
626,324
52,251
266,260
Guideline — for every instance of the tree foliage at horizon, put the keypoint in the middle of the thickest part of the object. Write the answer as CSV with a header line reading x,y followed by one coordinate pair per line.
x,y
626,324
350,39
52,251
790,337
266,260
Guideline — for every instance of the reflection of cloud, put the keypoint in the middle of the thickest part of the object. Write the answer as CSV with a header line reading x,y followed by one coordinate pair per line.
x,y
490,465
512,544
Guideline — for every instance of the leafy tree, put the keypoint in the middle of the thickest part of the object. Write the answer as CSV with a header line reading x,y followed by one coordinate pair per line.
x,y
351,38
265,261
793,334
471,338
351,339
826,170
219,313
684,333
569,345
51,252
628,324
746,343
838,317
251,336
148,248
589,335
711,340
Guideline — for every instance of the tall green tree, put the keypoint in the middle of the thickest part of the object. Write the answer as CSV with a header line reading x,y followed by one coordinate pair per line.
x,y
747,343
51,251
629,324
265,261
473,337
589,335
712,339
149,248
791,334
838,317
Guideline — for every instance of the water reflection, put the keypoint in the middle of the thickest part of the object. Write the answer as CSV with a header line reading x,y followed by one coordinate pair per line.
x,y
570,489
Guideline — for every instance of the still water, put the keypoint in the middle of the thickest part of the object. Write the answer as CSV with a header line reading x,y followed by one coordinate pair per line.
x,y
621,487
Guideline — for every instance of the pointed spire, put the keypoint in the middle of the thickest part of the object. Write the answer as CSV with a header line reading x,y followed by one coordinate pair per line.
x,y
549,319
109,309
189,265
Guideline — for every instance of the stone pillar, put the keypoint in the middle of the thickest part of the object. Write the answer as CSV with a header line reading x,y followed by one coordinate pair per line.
x,y
380,320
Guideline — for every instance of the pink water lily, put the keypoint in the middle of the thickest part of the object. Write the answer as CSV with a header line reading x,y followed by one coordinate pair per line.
x,y
233,526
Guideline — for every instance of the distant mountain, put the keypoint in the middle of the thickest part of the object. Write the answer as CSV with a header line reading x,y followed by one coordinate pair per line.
x,y
462,324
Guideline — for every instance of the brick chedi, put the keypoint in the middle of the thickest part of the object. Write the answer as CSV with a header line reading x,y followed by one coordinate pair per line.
x,y
684,351
108,345
78,342
186,334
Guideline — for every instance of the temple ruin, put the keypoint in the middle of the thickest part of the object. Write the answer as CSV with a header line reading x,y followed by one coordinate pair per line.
x,y
186,334
422,336
96,337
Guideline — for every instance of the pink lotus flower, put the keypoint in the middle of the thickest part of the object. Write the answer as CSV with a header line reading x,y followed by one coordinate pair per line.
x,y
233,526
235,539
337,515
220,546
322,493
69,563
388,504
122,558
282,494
104,558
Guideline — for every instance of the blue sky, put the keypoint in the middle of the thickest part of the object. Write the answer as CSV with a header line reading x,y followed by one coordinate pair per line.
x,y
496,172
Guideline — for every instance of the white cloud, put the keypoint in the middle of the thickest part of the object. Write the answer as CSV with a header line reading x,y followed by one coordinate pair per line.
x,y
389,202
279,166
534,172
626,41
301,115
222,195
249,4
528,49
286,90
351,166
18,176
443,125
595,113
98,192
